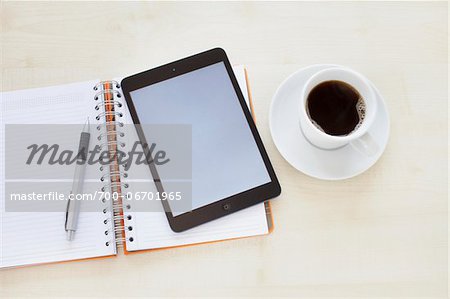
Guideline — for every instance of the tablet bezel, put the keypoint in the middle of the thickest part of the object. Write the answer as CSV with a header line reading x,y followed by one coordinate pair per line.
x,y
221,207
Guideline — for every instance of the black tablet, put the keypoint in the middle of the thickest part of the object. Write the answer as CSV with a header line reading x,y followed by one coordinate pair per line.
x,y
230,167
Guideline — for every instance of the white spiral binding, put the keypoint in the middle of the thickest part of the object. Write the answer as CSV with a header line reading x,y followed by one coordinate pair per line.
x,y
106,133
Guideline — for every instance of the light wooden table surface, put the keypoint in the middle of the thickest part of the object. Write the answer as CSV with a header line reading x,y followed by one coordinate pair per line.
x,y
383,233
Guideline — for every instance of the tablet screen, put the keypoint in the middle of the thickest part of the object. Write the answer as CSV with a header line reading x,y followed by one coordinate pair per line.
x,y
225,157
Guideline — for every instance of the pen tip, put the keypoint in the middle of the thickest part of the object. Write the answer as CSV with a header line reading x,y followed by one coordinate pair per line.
x,y
70,235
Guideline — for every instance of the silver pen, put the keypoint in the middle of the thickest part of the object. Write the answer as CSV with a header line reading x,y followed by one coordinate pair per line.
x,y
73,206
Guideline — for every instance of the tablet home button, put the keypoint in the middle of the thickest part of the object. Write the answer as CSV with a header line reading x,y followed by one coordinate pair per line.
x,y
227,206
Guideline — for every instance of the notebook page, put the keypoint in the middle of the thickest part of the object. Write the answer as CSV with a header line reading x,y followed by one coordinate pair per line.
x,y
39,237
151,229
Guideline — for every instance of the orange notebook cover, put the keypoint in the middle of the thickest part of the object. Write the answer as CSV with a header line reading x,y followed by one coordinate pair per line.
x,y
100,234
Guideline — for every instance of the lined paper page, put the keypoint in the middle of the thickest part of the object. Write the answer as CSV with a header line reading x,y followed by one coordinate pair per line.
x,y
151,229
39,237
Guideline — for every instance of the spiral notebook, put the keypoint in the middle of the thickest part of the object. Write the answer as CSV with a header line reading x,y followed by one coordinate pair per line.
x,y
39,237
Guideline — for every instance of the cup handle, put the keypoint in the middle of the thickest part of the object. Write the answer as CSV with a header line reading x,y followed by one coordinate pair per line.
x,y
365,144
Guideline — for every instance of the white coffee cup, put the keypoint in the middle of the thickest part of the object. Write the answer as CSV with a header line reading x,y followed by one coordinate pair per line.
x,y
360,139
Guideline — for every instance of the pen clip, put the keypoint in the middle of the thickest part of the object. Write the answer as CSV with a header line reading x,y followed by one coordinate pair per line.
x,y
67,212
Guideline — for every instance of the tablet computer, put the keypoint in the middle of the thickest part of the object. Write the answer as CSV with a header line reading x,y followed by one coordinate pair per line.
x,y
230,167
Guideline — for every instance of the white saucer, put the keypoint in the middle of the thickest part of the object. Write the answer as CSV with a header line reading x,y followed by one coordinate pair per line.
x,y
337,164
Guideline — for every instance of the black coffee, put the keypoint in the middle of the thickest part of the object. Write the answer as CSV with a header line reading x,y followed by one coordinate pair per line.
x,y
335,107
